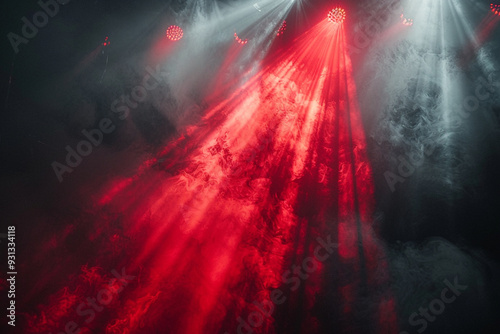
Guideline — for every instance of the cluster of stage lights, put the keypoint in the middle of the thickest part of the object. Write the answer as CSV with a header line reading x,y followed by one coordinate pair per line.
x,y
239,40
336,15
282,29
405,21
174,33
106,42
495,9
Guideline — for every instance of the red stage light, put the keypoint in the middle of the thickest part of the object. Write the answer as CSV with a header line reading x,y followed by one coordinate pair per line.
x,y
174,33
336,15
282,29
495,9
239,40
106,41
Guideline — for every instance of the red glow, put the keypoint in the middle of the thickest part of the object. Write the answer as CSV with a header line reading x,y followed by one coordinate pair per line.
x,y
106,41
495,9
211,224
282,29
174,33
161,49
482,33
239,40
337,15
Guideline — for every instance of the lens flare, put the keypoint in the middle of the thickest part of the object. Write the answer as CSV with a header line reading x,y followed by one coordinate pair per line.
x,y
174,33
336,15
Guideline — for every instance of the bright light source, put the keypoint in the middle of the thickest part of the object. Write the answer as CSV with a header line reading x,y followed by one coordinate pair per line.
x,y
174,33
239,40
106,41
495,9
405,21
282,29
336,15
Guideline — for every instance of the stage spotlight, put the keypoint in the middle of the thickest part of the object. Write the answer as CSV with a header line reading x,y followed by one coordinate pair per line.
x,y
336,15
282,29
405,21
495,9
239,40
174,33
